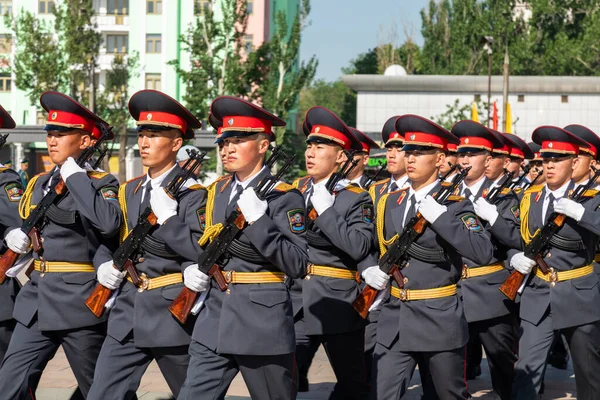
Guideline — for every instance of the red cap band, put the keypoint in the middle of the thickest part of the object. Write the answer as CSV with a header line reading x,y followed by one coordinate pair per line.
x,y
395,137
501,150
162,119
328,133
365,147
425,139
590,150
452,147
246,124
75,121
475,142
559,147
517,152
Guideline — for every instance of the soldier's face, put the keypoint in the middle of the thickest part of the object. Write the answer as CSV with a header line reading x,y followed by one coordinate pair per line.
x,y
396,163
496,167
583,169
223,155
558,171
451,158
62,145
514,166
422,166
322,159
478,163
159,148
243,153
536,169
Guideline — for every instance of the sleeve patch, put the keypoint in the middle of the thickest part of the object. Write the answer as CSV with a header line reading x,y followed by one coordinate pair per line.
x,y
201,213
14,191
472,223
109,193
367,212
516,212
296,220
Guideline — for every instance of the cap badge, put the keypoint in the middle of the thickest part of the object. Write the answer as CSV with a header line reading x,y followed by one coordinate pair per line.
x,y
412,137
54,115
149,117
230,121
467,140
317,129
550,145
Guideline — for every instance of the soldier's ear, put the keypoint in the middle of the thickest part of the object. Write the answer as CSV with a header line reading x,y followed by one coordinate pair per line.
x,y
441,159
576,162
86,141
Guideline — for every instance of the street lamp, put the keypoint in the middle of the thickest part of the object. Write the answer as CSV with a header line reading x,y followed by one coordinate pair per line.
x,y
487,42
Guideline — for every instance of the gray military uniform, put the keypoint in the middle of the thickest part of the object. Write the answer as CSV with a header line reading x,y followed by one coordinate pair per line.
x,y
433,332
140,326
570,306
249,328
10,194
341,237
50,308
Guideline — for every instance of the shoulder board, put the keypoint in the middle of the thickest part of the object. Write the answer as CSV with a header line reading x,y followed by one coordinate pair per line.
x,y
400,190
297,181
535,189
40,175
2,169
228,176
381,182
97,174
455,198
354,189
590,193
136,178
196,187
518,190
283,187
505,191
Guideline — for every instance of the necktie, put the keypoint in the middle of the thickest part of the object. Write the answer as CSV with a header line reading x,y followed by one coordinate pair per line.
x,y
468,193
550,208
233,203
146,200
393,187
411,209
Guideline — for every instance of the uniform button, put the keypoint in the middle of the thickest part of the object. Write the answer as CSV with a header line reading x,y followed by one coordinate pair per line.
x,y
228,291
465,266
307,277
42,240
407,264
548,255
141,259
405,280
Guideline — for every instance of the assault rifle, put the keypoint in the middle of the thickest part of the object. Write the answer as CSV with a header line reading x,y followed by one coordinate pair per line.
x,y
128,250
538,247
515,184
396,257
101,155
32,225
493,196
211,259
528,185
373,179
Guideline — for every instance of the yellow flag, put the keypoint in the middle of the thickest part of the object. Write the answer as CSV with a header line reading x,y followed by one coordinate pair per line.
x,y
508,127
474,113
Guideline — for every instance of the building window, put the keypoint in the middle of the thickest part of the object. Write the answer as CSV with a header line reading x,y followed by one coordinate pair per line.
x,y
45,6
521,98
40,118
154,6
117,44
117,7
249,7
153,81
5,44
477,97
153,43
5,83
248,43
5,7
200,6
564,98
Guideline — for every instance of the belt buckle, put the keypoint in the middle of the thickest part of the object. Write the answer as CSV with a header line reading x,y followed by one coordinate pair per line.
x,y
145,282
403,294
228,276
43,268
465,273
553,277
309,271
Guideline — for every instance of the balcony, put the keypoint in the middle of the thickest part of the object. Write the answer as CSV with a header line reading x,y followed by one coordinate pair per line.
x,y
112,15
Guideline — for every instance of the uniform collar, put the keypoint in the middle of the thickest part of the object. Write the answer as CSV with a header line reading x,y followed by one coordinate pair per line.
x,y
157,182
424,191
402,182
245,184
560,192
475,188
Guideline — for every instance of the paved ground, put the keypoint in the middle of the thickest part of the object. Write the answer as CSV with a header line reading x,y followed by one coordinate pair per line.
x,y
58,382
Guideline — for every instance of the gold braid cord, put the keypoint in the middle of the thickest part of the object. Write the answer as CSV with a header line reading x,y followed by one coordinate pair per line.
x,y
383,244
524,214
25,203
124,229
210,231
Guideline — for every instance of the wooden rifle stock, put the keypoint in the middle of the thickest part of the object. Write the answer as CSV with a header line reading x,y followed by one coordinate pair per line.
x,y
6,262
367,297
36,240
97,300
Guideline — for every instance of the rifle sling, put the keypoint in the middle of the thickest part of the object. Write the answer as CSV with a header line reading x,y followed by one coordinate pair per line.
x,y
566,244
157,247
432,256
247,252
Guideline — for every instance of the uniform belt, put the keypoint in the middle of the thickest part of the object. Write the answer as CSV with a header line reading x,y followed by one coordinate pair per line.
x,y
480,271
158,282
597,258
332,272
423,294
559,276
62,266
236,277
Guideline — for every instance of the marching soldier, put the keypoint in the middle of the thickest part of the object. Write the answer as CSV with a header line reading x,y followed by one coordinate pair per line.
x,y
488,312
358,176
50,309
536,173
451,159
140,327
424,323
519,152
588,156
566,299
249,327
339,237
10,194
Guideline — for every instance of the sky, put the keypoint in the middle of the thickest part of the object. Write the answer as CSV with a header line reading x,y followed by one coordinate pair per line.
x,y
340,30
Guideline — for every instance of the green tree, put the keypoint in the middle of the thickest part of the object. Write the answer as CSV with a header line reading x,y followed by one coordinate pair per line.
x,y
457,112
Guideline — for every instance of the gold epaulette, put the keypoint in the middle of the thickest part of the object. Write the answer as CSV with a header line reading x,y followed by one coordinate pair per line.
x,y
454,197
296,183
590,193
133,179
2,169
518,190
505,191
535,189
196,187
97,174
382,181
228,176
284,187
355,189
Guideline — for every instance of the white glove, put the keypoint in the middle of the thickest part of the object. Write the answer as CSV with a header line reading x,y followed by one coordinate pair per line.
x,y
570,208
109,276
195,279
69,168
485,210
521,263
375,277
251,206
17,241
431,209
321,199
163,205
